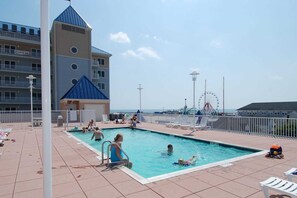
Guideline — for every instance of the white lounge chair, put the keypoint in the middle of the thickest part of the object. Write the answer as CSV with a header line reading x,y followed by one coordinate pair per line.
x,y
289,174
105,119
175,123
6,130
203,124
279,185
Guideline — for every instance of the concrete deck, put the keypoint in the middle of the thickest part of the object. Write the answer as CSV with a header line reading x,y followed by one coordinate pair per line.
x,y
76,174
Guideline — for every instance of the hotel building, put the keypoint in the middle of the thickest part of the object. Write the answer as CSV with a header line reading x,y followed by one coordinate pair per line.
x,y
73,58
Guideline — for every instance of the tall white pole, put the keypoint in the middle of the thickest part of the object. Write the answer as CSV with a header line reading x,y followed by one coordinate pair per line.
x,y
223,95
31,99
204,94
31,78
140,88
46,99
194,76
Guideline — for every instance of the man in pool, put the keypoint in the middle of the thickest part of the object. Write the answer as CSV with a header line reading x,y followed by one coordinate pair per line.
x,y
98,135
169,149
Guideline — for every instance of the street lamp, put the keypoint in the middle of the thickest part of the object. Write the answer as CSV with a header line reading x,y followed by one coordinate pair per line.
x,y
31,78
194,75
140,88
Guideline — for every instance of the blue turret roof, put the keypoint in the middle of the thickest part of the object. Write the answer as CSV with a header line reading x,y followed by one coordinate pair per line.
x,y
70,16
84,89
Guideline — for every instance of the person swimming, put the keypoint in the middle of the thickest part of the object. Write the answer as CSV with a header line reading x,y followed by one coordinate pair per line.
x,y
182,162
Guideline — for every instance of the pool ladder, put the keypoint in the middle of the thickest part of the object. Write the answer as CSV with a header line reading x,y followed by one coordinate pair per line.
x,y
107,153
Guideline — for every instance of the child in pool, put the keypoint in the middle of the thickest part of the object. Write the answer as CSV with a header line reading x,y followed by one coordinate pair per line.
x,y
188,162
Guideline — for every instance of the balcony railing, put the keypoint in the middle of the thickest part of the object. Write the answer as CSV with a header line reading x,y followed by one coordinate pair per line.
x,y
19,100
18,84
21,53
19,35
19,68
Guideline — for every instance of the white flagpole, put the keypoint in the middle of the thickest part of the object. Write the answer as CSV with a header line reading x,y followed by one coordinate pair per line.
x,y
46,99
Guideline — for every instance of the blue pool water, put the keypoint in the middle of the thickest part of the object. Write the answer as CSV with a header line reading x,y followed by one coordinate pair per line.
x,y
147,150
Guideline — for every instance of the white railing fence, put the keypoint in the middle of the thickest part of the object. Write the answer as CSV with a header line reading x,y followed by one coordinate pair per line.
x,y
267,126
58,117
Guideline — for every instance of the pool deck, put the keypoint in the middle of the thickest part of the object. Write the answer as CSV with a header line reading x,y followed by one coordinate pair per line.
x,y
76,173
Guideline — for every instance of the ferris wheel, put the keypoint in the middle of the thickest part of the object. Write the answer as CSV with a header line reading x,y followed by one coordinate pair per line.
x,y
208,103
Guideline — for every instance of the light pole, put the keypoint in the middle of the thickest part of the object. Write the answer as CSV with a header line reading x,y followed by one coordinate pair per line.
x,y
140,88
194,75
31,78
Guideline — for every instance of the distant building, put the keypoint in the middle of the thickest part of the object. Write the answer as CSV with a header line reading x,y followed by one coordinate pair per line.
x,y
72,57
269,109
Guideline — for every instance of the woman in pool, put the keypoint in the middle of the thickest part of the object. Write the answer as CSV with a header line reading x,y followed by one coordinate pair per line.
x,y
116,152
191,161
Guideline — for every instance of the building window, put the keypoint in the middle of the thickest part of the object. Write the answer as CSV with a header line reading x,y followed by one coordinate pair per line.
x,y
14,28
74,66
12,80
101,73
101,85
23,30
31,31
34,67
12,64
7,95
74,50
4,27
34,96
12,95
10,109
38,67
6,79
34,81
74,81
7,48
6,64
101,61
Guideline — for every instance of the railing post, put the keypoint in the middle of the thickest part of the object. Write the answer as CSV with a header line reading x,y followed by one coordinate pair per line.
x,y
273,126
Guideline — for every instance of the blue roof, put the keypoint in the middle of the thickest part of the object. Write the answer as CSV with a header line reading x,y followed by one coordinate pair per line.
x,y
70,16
84,89
99,51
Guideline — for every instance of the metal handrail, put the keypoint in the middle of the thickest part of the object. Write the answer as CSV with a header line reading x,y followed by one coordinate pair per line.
x,y
102,157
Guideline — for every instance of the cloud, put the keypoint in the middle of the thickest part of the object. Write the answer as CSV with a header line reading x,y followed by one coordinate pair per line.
x,y
120,37
216,44
142,53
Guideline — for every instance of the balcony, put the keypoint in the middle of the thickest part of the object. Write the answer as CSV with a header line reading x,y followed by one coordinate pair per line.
x,y
19,36
19,53
19,69
19,100
18,84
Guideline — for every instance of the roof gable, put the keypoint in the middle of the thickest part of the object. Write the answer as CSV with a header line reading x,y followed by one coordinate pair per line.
x,y
84,89
70,16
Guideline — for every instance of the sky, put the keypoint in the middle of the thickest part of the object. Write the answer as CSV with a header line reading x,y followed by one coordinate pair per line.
x,y
158,43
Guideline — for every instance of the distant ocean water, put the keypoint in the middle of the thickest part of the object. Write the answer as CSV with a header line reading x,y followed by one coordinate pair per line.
x,y
158,110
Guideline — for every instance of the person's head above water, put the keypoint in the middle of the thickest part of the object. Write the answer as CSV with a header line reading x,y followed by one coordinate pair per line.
x,y
169,148
118,138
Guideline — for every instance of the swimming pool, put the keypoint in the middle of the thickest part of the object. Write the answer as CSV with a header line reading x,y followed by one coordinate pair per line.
x,y
148,151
